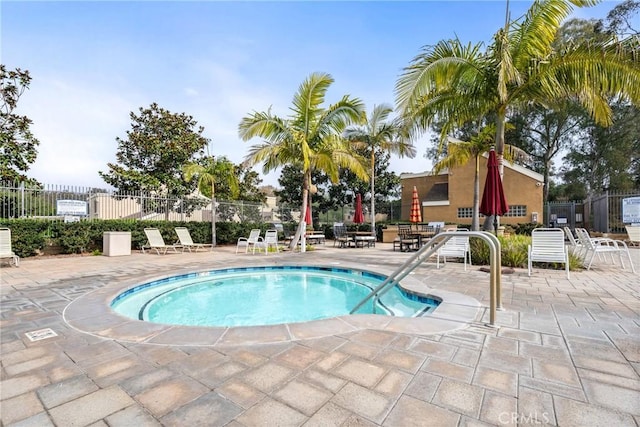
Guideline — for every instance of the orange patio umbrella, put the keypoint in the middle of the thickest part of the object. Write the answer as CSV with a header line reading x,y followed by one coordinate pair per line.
x,y
415,215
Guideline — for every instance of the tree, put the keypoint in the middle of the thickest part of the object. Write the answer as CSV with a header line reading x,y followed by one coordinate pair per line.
x,y
621,16
152,156
213,171
607,158
461,152
309,139
544,132
290,191
18,146
458,82
379,132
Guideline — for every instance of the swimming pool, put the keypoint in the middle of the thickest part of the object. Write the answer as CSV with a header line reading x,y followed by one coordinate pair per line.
x,y
252,296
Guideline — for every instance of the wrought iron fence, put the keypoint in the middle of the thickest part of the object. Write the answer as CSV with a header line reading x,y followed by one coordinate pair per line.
x,y
602,213
73,203
607,211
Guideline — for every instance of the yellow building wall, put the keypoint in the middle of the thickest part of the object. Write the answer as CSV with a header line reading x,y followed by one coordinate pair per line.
x,y
519,189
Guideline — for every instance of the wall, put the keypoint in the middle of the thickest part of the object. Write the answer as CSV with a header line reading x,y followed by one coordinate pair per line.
x,y
520,187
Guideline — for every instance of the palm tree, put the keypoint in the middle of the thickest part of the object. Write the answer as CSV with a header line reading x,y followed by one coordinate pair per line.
x,y
461,152
458,83
379,133
310,138
220,170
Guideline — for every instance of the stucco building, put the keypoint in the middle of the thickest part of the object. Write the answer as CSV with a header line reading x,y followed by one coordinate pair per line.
x,y
448,196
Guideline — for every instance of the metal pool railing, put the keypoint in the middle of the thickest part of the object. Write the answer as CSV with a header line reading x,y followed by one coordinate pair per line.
x,y
431,247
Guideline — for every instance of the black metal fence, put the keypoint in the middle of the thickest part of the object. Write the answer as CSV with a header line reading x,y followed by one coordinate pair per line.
x,y
601,213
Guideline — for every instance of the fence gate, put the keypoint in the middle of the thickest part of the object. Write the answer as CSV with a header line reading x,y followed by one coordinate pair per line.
x,y
564,214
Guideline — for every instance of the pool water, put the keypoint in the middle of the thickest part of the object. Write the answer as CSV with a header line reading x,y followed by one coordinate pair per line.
x,y
264,296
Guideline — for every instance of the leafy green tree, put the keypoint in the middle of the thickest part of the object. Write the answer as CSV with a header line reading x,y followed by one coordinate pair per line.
x,y
18,146
311,138
544,132
214,171
379,132
248,207
349,184
458,83
153,155
459,153
290,192
607,157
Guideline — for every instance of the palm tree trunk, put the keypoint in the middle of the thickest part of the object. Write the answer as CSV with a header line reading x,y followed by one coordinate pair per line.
x,y
213,215
301,225
373,193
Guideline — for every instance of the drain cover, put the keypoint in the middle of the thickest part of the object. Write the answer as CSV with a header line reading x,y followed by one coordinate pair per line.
x,y
41,334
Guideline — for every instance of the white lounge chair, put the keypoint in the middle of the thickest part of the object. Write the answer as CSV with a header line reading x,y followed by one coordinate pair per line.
x,y
547,245
600,246
5,247
633,232
574,245
455,247
271,240
184,237
254,240
156,242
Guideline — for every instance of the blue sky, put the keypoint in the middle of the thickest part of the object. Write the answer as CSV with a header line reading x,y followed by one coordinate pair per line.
x,y
93,63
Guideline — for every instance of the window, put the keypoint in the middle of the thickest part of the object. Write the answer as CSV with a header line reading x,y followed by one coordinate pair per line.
x,y
514,210
465,212
517,210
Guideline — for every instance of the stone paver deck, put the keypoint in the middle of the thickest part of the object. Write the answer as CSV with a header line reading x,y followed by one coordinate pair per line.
x,y
564,352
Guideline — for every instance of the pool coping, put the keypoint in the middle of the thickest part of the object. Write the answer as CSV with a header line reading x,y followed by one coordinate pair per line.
x,y
92,314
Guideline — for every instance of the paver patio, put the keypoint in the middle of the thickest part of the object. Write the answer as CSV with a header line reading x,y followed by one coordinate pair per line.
x,y
565,352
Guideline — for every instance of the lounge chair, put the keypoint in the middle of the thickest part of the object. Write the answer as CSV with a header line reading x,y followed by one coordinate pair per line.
x,y
184,237
5,247
156,242
602,245
254,240
547,245
271,240
455,247
575,246
633,232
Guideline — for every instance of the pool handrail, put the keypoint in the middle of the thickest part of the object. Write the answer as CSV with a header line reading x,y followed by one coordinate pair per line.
x,y
495,265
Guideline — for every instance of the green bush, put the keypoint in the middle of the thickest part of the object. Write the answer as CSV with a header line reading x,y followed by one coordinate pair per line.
x,y
31,237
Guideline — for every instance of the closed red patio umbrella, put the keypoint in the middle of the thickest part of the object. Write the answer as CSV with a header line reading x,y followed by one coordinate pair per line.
x,y
358,216
493,201
415,215
307,215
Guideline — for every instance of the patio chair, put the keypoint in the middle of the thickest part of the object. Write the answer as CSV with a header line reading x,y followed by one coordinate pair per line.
x,y
574,246
602,245
340,235
455,247
5,247
408,239
633,232
184,237
271,240
253,241
547,245
156,242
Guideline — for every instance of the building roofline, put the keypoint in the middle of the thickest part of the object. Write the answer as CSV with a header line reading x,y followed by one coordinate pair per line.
x,y
517,168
